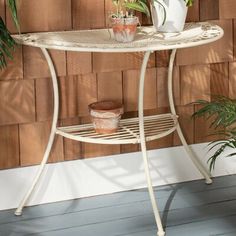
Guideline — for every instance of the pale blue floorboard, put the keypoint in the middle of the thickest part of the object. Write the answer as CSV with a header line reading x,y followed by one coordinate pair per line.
x,y
177,207
117,199
187,207
227,234
174,199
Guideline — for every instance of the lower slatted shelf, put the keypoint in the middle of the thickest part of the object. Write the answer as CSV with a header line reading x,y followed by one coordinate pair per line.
x,y
155,127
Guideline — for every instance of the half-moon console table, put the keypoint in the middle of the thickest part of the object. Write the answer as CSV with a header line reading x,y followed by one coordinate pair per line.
x,y
134,130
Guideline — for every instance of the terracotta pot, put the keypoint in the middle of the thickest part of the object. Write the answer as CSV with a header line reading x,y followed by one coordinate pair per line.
x,y
106,116
124,29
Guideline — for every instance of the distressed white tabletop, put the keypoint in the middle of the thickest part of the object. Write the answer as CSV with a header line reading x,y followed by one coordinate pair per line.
x,y
147,39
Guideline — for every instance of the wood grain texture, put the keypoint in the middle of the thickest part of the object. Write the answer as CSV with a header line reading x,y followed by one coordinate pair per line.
x,y
33,141
232,80
14,70
72,149
35,65
195,83
107,62
131,86
209,10
109,8
162,58
193,12
9,146
2,9
186,124
234,39
87,17
110,86
77,92
219,51
44,99
17,103
166,141
202,130
79,63
44,15
219,79
227,9
162,86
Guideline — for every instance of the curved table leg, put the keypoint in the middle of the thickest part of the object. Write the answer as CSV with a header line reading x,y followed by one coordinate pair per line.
x,y
193,157
51,137
143,146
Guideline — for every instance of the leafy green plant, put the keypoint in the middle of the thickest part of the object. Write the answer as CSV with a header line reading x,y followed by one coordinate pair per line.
x,y
222,111
125,8
7,43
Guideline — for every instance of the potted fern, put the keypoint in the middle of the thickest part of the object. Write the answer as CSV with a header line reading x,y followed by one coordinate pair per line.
x,y
7,43
170,15
222,111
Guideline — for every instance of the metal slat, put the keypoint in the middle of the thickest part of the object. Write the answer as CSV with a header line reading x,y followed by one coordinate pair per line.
x,y
155,127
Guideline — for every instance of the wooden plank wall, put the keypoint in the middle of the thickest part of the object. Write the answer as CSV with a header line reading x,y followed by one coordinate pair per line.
x,y
26,91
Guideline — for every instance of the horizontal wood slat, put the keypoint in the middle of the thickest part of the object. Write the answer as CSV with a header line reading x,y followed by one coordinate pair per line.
x,y
17,103
195,83
107,62
33,141
35,65
88,14
43,15
220,51
209,10
9,146
14,70
227,9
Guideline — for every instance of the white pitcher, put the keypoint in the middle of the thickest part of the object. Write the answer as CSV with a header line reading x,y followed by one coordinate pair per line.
x,y
176,12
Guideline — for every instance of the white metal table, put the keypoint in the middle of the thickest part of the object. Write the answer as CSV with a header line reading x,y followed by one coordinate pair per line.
x,y
134,130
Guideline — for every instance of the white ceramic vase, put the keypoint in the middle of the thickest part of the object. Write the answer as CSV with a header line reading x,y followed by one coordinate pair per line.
x,y
176,12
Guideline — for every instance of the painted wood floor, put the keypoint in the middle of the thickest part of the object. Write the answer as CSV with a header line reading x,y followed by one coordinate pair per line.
x,y
188,209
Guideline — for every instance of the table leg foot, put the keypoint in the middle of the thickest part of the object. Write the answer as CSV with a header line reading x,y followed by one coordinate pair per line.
x,y
161,233
208,181
18,212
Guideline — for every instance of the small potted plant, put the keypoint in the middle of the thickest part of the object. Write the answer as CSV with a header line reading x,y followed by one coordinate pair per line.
x,y
170,15
124,22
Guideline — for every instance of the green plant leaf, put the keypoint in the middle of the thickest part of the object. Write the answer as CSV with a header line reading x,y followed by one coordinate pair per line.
x,y
13,9
141,7
223,112
189,3
222,109
7,44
